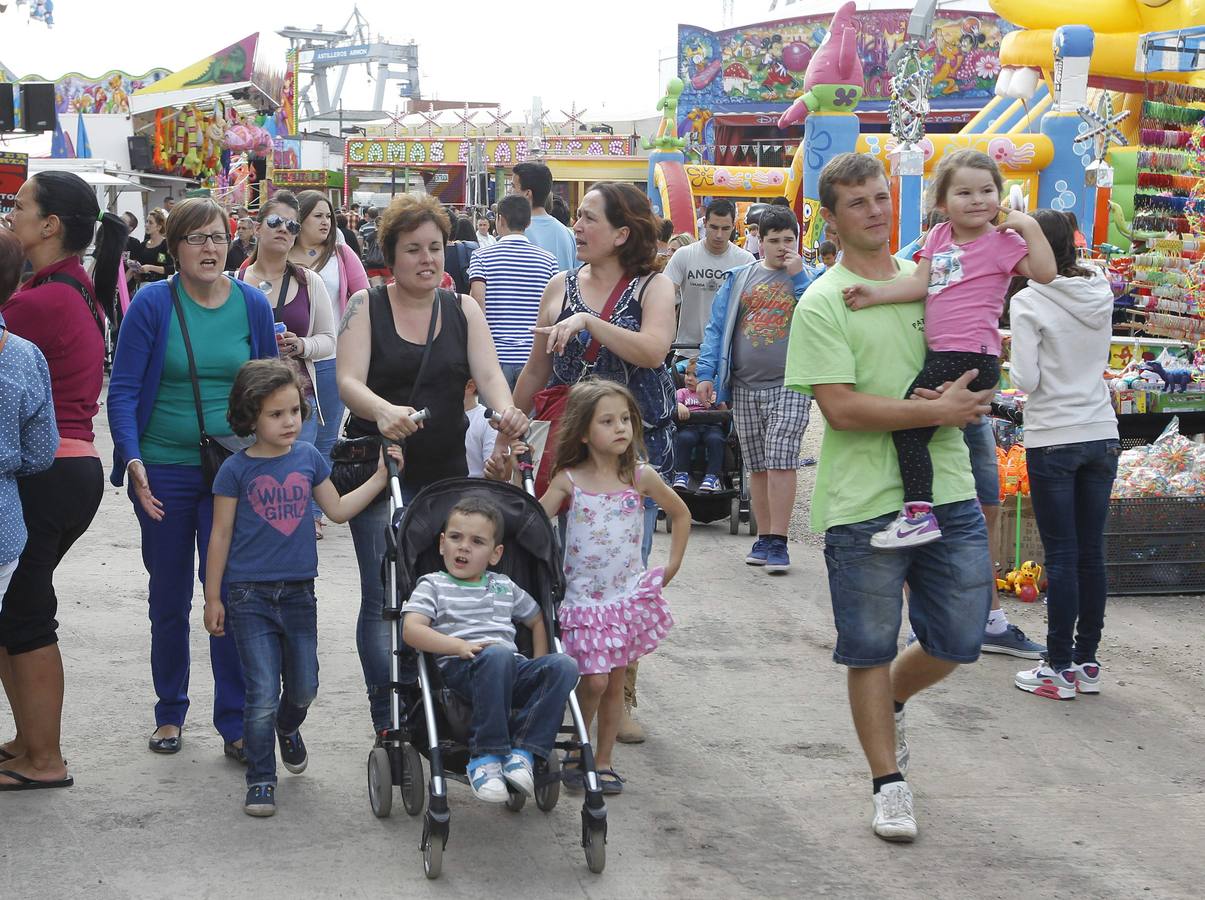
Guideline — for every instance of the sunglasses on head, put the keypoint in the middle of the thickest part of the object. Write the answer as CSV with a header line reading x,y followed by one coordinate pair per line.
x,y
276,220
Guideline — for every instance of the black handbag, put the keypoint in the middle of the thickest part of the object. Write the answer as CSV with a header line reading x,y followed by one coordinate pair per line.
x,y
214,450
355,459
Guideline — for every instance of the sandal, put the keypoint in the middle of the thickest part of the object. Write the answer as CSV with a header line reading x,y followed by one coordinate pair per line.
x,y
24,783
610,782
5,756
572,775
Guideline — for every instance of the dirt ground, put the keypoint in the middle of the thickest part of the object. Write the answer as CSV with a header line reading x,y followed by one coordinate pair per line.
x,y
751,783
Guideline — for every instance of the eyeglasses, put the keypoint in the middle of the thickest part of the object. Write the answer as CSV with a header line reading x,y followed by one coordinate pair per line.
x,y
275,220
199,239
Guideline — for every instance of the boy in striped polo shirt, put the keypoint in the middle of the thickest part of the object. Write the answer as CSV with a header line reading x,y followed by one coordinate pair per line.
x,y
508,280
465,615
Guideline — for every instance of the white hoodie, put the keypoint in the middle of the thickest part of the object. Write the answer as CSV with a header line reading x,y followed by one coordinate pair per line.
x,y
1060,350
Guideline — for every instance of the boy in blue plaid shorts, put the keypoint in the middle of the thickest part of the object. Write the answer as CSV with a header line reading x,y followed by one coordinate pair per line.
x,y
743,358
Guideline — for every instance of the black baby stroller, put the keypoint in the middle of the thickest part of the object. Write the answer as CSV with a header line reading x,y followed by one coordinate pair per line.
x,y
429,720
732,500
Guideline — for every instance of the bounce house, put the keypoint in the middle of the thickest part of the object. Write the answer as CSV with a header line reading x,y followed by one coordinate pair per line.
x,y
1029,126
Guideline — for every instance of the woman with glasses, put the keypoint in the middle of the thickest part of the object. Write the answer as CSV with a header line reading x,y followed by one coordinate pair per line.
x,y
299,300
62,311
156,438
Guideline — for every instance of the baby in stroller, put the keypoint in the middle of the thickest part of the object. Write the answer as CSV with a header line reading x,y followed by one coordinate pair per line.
x,y
466,616
713,437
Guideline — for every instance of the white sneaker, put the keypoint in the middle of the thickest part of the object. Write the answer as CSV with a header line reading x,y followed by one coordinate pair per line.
x,y
517,771
1046,682
905,532
485,778
1087,677
902,754
893,818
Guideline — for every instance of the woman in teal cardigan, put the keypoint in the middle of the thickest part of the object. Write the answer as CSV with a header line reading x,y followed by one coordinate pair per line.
x,y
156,437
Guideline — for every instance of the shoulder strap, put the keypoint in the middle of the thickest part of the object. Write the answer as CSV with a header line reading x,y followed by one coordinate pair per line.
x,y
608,309
63,278
281,296
3,338
422,364
192,365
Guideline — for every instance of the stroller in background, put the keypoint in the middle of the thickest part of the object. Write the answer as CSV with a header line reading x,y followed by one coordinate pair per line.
x,y
732,500
427,718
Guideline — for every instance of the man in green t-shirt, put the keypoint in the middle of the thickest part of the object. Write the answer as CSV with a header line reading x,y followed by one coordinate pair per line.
x,y
858,366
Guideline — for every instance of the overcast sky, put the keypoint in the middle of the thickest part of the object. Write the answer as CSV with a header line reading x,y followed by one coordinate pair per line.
x,y
601,55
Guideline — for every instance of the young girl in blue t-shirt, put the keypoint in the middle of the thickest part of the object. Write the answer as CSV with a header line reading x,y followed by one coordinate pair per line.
x,y
269,560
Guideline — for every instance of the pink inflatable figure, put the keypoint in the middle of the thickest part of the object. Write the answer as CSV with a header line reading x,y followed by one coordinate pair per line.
x,y
834,81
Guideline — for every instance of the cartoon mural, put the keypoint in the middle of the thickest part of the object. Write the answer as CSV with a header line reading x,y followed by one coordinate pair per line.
x,y
108,93
760,68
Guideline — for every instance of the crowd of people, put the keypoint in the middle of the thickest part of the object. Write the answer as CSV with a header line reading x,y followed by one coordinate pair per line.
x,y
268,362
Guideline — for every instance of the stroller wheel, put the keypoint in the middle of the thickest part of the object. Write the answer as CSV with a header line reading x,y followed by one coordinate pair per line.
x,y
414,793
380,783
734,517
548,794
596,849
433,857
515,801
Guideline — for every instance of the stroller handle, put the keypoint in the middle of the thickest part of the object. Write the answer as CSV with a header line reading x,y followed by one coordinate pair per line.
x,y
391,469
526,466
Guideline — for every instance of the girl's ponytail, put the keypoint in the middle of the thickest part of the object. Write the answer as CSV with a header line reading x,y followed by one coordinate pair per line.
x,y
111,239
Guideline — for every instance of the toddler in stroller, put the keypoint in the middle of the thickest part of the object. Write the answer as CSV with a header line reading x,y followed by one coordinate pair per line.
x,y
482,699
465,615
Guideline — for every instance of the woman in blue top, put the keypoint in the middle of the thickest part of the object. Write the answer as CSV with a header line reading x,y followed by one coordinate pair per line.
x,y
156,437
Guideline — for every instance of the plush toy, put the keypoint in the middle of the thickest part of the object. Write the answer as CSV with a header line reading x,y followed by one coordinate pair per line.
x,y
1025,582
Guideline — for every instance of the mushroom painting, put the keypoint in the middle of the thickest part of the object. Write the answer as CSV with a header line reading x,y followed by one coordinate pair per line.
x,y
736,78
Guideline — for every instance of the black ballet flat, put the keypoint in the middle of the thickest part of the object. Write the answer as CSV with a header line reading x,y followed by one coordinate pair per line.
x,y
238,754
165,744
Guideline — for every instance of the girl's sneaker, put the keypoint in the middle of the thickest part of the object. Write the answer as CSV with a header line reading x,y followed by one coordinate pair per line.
x,y
292,752
1046,682
907,532
261,800
1087,677
681,481
709,485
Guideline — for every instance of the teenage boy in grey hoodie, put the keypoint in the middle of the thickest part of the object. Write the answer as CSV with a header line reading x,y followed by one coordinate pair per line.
x,y
1060,349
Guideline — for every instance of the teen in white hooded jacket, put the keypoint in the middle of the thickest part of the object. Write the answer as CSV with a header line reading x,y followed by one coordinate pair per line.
x,y
1060,349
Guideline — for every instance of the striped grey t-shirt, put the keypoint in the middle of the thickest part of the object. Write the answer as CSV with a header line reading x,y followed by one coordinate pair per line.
x,y
482,612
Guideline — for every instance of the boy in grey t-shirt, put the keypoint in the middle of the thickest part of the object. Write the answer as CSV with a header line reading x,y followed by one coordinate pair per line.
x,y
466,616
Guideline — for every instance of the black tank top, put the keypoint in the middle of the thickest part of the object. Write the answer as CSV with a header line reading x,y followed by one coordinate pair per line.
x,y
437,450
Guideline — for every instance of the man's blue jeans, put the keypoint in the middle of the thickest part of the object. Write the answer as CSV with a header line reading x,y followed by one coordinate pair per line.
x,y
275,627
1070,485
518,703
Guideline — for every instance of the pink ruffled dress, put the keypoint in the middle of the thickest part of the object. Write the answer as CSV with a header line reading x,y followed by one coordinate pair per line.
x,y
613,612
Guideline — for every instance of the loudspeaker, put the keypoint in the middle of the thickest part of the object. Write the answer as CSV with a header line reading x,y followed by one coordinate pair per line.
x,y
37,106
140,152
7,119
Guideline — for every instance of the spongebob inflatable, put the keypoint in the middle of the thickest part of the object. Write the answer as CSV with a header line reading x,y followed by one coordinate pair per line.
x,y
1118,27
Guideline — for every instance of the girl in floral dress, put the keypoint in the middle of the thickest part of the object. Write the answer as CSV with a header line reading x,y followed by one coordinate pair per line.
x,y
613,612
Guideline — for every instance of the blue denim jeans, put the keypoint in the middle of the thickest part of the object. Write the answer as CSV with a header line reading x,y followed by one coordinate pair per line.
x,y
518,703
511,372
948,580
713,439
327,432
275,627
981,441
171,548
1070,485
372,631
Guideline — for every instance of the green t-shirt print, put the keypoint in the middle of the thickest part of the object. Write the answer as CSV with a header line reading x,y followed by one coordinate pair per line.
x,y
878,350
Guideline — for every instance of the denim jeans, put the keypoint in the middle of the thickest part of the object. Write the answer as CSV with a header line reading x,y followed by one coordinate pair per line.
x,y
981,441
170,549
372,631
949,582
275,627
511,372
332,412
518,703
1070,485
713,439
